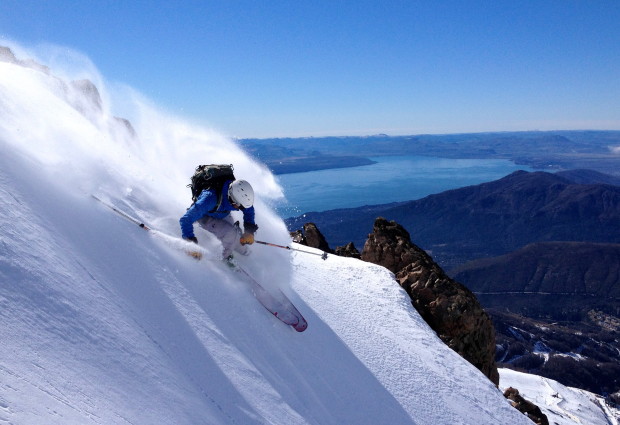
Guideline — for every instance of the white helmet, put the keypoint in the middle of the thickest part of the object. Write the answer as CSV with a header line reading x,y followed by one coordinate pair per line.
x,y
241,193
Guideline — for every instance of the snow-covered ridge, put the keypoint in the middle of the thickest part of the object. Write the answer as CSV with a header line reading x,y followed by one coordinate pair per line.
x,y
562,405
104,324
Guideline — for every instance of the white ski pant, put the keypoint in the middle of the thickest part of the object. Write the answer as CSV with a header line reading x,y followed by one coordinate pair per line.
x,y
225,230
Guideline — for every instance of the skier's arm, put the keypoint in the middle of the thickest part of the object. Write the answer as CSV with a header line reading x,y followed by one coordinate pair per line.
x,y
249,226
205,203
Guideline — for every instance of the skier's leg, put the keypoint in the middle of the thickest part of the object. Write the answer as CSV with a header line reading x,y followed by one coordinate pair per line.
x,y
226,231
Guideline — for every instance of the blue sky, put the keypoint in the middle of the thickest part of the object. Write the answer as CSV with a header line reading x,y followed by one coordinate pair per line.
x,y
313,68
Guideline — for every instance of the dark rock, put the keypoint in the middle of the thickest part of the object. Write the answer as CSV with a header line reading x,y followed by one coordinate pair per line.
x,y
348,250
314,237
298,237
449,308
526,407
389,246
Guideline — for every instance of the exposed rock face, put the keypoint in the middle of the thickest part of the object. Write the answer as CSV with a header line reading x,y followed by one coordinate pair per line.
x,y
349,250
311,236
526,407
314,238
298,237
389,246
447,306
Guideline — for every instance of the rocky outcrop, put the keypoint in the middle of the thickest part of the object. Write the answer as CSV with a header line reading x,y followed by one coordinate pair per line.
x,y
298,237
7,55
83,95
314,237
526,407
311,236
89,97
449,308
389,246
126,125
348,250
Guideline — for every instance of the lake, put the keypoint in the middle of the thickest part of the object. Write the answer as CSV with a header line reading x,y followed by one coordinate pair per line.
x,y
391,179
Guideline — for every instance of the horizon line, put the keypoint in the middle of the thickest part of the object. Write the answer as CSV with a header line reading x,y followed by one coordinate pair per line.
x,y
427,134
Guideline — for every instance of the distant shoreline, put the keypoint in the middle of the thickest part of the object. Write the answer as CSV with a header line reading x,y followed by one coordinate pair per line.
x,y
322,162
550,150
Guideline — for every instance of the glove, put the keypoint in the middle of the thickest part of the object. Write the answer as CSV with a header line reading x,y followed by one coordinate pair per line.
x,y
247,239
192,239
194,254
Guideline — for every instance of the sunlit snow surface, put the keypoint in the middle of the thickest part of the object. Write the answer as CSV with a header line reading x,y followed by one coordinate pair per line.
x,y
104,323
562,405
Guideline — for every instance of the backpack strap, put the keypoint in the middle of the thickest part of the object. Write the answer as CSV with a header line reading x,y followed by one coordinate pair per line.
x,y
220,196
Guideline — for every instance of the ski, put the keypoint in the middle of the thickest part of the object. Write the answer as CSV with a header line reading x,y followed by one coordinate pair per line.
x,y
281,307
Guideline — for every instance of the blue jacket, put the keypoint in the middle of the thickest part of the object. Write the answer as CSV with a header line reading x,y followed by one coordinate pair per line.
x,y
206,202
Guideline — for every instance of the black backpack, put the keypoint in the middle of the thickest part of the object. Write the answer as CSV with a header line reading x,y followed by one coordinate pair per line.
x,y
212,176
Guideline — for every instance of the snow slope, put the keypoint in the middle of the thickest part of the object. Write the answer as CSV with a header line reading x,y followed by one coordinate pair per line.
x,y
562,405
103,323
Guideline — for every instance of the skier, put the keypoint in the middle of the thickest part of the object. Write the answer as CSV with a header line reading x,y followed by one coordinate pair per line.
x,y
212,212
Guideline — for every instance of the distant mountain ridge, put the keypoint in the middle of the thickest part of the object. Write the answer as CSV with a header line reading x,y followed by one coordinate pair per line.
x,y
541,150
553,294
578,268
489,219
582,176
548,280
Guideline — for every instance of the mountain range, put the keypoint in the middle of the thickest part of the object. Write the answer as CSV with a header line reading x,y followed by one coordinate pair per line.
x,y
556,309
541,150
540,251
490,219
586,270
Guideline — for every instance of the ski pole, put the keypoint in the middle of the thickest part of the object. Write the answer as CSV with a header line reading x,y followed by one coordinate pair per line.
x,y
323,255
195,254
123,214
